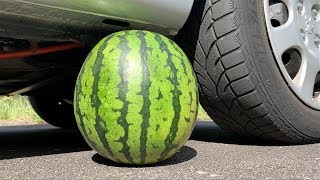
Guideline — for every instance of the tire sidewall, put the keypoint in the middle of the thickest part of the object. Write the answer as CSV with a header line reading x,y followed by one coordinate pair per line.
x,y
47,107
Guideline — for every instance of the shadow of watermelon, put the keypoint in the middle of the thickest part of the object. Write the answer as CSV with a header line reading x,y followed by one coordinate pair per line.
x,y
185,154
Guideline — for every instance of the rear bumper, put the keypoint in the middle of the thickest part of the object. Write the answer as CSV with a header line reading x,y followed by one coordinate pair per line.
x,y
84,20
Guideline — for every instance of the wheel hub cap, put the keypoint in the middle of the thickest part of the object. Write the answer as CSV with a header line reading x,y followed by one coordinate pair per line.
x,y
307,21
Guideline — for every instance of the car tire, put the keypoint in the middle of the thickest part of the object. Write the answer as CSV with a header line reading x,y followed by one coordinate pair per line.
x,y
240,82
54,110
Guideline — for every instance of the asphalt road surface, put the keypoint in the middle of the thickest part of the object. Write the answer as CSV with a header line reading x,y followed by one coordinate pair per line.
x,y
44,152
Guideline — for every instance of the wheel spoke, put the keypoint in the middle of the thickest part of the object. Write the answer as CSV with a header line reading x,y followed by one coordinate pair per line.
x,y
286,36
306,77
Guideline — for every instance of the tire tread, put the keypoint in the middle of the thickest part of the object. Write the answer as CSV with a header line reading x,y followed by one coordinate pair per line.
x,y
228,81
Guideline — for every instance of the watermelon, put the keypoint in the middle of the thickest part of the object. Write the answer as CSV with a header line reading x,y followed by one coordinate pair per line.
x,y
136,98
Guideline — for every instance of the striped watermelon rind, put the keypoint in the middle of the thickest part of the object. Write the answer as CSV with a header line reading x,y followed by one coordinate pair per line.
x,y
136,98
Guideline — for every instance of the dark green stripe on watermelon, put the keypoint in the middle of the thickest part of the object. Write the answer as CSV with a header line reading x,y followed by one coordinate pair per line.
x,y
78,112
145,87
175,100
123,89
94,98
179,57
183,63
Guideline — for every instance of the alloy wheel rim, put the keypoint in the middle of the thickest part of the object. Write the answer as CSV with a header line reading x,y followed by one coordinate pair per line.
x,y
294,33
